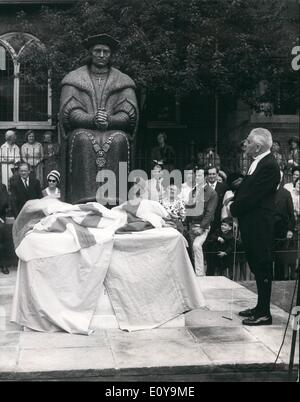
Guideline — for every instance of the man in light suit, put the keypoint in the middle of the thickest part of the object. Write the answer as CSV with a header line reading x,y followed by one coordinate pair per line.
x,y
23,188
253,205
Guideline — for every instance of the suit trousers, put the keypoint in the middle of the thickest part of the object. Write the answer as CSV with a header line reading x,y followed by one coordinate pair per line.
x,y
257,238
197,243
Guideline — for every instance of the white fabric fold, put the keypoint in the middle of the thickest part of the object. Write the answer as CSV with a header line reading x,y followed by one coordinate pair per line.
x,y
64,264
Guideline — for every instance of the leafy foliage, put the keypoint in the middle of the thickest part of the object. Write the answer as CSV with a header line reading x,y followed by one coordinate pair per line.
x,y
223,46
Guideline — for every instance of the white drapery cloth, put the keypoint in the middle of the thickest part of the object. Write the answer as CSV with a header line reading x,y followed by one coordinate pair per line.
x,y
147,274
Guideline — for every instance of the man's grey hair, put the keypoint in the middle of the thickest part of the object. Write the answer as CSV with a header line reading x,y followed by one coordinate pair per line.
x,y
263,137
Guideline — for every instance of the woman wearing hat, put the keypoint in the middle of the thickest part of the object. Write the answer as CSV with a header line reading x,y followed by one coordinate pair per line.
x,y
52,191
32,153
98,116
9,155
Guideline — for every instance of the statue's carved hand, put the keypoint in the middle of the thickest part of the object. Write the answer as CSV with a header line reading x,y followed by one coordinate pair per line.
x,y
101,119
102,115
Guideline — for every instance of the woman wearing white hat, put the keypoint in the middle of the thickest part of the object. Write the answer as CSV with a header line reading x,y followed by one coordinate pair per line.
x,y
52,191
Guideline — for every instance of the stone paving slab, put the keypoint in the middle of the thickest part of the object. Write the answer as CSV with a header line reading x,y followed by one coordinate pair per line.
x,y
223,335
273,339
239,353
153,335
82,358
212,341
200,318
58,340
8,358
147,353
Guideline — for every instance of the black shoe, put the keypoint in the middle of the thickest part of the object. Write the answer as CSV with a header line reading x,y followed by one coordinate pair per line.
x,y
250,312
255,320
5,270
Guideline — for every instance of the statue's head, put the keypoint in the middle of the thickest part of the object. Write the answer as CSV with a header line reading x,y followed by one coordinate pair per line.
x,y
101,47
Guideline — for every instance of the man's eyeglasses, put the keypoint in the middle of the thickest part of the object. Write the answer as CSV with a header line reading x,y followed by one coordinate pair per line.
x,y
51,181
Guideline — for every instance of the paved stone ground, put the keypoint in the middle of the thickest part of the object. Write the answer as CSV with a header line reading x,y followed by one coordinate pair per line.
x,y
213,345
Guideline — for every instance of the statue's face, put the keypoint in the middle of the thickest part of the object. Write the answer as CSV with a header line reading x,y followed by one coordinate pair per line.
x,y
100,55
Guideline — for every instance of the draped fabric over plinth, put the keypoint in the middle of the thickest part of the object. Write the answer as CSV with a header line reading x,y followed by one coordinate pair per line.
x,y
68,253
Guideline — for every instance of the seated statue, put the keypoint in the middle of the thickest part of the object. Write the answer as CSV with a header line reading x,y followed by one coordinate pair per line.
x,y
98,118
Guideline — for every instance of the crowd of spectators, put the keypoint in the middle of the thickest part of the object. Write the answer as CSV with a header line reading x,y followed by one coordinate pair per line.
x,y
27,172
41,157
32,172
215,231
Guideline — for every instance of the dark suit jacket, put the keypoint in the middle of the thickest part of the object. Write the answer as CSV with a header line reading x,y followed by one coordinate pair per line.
x,y
254,204
20,195
220,189
3,201
284,213
227,246
210,204
7,250
257,191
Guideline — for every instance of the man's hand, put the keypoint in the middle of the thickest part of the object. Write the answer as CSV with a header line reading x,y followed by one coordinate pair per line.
x,y
197,230
289,234
221,240
221,254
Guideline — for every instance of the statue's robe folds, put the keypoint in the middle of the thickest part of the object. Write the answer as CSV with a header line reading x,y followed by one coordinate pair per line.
x,y
86,148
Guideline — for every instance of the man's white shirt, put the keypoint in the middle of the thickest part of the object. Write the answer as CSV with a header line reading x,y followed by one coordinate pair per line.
x,y
255,162
213,185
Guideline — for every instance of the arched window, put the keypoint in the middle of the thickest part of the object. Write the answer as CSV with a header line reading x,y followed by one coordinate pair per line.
x,y
22,104
6,85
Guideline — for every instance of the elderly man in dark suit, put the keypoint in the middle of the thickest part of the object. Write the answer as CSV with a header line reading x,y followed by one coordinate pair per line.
x,y
253,205
23,188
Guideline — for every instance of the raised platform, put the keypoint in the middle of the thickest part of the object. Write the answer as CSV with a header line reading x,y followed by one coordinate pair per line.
x,y
213,345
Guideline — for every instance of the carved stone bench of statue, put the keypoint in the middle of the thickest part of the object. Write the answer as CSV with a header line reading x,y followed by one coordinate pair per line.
x,y
98,116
